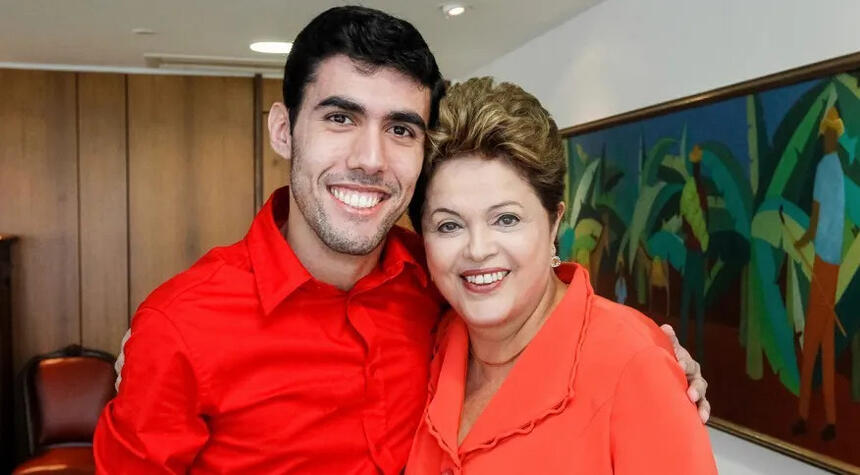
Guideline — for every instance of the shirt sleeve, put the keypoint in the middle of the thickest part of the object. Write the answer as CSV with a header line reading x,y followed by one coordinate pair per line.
x,y
154,425
655,428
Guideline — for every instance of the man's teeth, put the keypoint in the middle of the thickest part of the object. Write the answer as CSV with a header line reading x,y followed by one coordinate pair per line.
x,y
357,199
484,279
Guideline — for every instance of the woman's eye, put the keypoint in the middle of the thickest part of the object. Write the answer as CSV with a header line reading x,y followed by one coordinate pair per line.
x,y
402,131
447,227
508,220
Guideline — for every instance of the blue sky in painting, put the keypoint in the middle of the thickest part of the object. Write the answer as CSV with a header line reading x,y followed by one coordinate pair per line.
x,y
723,121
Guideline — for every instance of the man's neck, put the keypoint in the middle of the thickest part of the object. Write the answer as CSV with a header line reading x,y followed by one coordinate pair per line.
x,y
831,141
324,264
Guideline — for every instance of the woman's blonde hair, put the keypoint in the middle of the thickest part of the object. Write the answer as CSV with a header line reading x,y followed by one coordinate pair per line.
x,y
496,121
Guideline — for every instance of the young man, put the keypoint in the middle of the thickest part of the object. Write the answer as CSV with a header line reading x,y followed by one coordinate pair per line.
x,y
305,346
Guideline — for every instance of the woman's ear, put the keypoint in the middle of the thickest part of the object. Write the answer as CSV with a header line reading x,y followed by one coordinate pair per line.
x,y
559,214
279,130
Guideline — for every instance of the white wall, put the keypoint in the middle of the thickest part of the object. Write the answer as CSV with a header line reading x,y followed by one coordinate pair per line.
x,y
736,456
622,55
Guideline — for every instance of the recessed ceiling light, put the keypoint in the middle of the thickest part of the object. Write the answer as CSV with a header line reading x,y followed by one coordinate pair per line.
x,y
273,47
453,9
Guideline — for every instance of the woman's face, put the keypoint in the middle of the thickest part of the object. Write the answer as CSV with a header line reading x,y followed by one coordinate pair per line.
x,y
488,240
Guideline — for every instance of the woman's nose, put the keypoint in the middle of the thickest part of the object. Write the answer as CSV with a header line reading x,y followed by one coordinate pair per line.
x,y
481,245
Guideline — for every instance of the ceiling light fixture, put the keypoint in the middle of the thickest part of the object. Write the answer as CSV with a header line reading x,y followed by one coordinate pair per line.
x,y
272,47
453,9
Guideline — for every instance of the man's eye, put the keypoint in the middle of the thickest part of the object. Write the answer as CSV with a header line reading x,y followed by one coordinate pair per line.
x,y
402,131
340,119
508,220
447,227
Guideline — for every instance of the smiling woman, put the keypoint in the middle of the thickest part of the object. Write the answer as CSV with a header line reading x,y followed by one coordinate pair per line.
x,y
525,335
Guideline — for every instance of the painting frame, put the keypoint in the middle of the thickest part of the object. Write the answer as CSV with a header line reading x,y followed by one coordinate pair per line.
x,y
843,64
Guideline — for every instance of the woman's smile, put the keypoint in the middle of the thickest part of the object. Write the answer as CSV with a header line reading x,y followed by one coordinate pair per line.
x,y
484,281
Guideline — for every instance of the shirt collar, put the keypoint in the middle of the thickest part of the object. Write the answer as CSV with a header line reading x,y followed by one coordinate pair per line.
x,y
404,248
278,271
547,367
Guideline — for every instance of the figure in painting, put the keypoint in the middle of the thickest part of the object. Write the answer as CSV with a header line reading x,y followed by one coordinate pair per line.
x,y
826,224
694,212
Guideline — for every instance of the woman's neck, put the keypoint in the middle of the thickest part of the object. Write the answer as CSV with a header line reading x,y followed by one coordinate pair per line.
x,y
503,343
495,349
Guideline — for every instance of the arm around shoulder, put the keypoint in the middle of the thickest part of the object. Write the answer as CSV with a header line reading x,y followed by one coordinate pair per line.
x,y
154,424
655,428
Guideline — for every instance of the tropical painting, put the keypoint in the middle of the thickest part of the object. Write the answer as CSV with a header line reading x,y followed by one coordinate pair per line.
x,y
738,222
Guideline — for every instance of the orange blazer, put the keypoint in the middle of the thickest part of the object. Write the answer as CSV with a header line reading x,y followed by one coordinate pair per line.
x,y
597,391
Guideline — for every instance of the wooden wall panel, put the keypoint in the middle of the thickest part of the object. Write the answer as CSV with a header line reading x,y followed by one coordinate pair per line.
x,y
276,170
103,208
38,202
191,184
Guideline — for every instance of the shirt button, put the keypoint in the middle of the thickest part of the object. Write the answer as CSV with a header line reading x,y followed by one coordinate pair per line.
x,y
447,471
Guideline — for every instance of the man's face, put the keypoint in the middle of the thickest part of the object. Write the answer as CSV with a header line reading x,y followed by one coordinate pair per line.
x,y
357,149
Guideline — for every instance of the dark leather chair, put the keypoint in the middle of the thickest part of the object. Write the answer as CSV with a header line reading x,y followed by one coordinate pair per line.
x,y
63,395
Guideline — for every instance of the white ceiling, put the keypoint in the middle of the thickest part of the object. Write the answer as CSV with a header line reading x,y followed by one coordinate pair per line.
x,y
98,32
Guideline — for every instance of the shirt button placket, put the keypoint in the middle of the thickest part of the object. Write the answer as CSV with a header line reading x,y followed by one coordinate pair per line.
x,y
374,413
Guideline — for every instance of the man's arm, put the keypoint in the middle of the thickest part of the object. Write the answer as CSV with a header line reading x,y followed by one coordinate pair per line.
x,y
654,428
693,371
154,424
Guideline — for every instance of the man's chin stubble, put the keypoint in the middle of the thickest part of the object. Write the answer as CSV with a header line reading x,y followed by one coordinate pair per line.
x,y
344,244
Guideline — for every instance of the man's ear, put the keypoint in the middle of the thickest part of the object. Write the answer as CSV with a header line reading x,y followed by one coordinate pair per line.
x,y
279,130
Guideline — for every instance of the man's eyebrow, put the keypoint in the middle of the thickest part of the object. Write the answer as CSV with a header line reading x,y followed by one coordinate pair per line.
x,y
341,103
407,117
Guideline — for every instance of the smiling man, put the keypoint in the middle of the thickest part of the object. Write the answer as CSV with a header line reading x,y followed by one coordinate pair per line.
x,y
305,346
357,145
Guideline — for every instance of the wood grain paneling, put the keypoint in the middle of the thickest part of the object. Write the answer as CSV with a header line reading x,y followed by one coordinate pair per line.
x,y
103,208
276,170
190,172
38,202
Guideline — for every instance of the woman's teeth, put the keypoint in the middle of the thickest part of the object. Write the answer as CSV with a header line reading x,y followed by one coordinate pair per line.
x,y
356,199
484,279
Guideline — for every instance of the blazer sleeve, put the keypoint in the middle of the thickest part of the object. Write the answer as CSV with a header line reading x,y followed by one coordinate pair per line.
x,y
154,425
654,426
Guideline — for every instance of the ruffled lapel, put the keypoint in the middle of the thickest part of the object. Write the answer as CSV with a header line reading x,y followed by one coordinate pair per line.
x,y
448,389
541,382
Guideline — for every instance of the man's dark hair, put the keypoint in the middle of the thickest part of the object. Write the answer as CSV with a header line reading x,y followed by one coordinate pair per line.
x,y
365,35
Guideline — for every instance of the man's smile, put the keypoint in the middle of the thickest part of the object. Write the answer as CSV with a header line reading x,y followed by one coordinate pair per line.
x,y
358,198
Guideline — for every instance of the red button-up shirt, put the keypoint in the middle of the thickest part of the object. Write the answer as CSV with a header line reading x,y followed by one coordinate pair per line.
x,y
245,363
